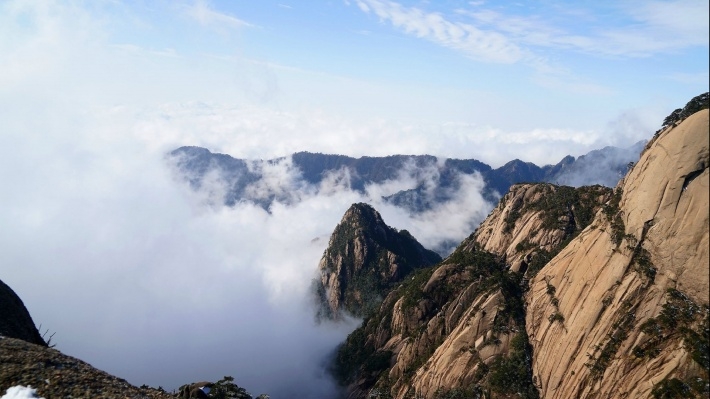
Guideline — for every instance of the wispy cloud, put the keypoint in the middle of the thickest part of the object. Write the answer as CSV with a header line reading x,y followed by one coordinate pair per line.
x,y
202,12
656,27
476,43
494,36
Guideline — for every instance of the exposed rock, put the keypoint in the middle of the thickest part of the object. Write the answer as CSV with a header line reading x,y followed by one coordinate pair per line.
x,y
56,375
631,292
15,320
458,328
536,218
616,306
363,261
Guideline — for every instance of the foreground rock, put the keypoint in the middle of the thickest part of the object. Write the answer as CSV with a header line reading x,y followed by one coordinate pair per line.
x,y
56,375
560,293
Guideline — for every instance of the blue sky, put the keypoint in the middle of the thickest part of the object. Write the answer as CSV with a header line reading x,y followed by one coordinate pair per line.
x,y
480,79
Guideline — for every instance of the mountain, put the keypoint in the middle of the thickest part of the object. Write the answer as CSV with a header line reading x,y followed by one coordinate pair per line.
x,y
632,290
431,180
443,330
365,258
608,164
561,292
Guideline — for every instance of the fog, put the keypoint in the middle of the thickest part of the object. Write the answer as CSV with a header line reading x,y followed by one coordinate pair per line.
x,y
141,276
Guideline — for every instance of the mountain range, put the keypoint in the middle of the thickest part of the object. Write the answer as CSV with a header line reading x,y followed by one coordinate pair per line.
x,y
431,180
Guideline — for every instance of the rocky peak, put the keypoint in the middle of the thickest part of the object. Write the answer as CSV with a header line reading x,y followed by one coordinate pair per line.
x,y
364,258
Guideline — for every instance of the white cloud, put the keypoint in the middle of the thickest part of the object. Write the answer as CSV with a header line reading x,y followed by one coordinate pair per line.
x,y
659,27
202,12
476,43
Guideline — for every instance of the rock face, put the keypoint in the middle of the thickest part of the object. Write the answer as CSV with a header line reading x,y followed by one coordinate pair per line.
x,y
364,258
458,328
560,293
630,315
15,320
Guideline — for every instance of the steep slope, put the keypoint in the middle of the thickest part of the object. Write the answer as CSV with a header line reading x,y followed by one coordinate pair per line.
x,y
364,258
459,328
15,320
622,311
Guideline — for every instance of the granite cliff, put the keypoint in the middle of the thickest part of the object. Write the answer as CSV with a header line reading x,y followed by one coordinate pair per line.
x,y
631,291
561,292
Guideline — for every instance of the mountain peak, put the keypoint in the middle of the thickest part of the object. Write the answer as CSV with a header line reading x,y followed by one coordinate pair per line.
x,y
364,259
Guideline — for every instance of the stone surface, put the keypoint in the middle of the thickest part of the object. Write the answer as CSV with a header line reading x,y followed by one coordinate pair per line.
x,y
603,292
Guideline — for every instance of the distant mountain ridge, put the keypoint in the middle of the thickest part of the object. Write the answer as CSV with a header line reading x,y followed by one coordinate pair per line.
x,y
433,179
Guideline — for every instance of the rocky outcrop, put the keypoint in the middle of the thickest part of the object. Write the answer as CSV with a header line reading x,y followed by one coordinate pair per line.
x,y
363,261
536,219
15,320
56,375
459,328
560,293
622,311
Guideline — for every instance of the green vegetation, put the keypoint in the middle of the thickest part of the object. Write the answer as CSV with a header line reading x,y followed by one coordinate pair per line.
x,y
680,318
598,365
696,104
613,215
557,316
683,318
539,259
512,375
473,392
671,389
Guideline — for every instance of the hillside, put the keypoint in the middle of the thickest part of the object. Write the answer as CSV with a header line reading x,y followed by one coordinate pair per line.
x,y
26,360
561,292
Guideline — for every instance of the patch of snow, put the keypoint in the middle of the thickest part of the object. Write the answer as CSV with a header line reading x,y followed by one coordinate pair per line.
x,y
20,392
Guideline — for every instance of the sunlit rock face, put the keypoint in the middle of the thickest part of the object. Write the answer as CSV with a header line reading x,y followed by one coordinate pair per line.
x,y
560,293
363,261
457,328
631,291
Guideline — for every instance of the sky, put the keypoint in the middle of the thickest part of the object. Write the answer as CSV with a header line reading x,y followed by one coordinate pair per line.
x,y
144,278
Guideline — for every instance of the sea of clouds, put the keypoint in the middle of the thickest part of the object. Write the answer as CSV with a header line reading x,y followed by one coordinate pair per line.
x,y
143,277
